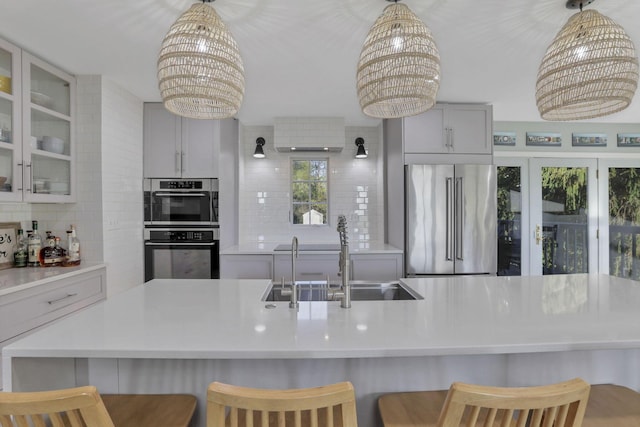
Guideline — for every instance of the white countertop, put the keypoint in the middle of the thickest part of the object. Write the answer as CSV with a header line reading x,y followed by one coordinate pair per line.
x,y
17,279
268,248
226,319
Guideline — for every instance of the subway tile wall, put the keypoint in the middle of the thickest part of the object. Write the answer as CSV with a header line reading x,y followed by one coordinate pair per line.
x,y
355,188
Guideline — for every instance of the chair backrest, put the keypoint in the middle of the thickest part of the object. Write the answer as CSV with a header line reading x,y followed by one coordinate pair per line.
x,y
554,405
73,407
332,405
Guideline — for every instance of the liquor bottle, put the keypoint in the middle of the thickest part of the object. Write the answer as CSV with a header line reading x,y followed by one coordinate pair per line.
x,y
52,254
73,247
21,254
34,246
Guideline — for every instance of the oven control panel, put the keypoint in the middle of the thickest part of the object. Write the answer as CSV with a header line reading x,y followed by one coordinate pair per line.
x,y
181,235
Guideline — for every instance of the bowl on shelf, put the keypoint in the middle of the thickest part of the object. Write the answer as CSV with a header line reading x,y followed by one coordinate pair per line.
x,y
41,99
5,84
53,144
59,187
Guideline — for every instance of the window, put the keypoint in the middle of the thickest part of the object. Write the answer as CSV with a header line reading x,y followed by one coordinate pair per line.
x,y
309,191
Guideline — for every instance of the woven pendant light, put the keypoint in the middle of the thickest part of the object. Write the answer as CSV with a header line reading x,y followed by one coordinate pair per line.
x,y
200,71
590,69
399,67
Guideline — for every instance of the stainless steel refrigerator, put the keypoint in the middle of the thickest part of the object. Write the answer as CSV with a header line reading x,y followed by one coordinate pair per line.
x,y
451,219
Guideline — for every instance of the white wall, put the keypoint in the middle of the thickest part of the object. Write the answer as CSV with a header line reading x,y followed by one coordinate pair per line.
x,y
122,204
355,187
108,209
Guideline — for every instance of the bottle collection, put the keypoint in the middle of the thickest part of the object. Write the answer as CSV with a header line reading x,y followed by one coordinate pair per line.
x,y
30,250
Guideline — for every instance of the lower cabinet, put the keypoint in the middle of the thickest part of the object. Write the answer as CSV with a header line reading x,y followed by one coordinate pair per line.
x,y
378,267
245,266
309,267
26,310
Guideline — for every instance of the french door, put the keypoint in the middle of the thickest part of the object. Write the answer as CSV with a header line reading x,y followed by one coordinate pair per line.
x,y
563,218
547,216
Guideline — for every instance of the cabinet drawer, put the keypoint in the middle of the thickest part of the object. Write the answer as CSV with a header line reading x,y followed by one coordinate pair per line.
x,y
25,310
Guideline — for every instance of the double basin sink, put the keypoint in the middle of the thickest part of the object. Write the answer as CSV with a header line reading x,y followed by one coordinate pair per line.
x,y
360,291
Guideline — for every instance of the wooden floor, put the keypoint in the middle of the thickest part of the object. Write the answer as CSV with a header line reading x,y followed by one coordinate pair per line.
x,y
609,406
150,410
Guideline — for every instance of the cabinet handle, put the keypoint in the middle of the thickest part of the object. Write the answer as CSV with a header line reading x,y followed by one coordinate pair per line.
x,y
183,166
61,298
29,187
451,136
177,161
21,176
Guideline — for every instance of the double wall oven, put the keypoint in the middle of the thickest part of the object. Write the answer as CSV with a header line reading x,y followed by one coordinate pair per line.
x,y
181,229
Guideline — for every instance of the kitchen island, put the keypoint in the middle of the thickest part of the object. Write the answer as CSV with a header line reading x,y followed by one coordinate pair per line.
x,y
180,335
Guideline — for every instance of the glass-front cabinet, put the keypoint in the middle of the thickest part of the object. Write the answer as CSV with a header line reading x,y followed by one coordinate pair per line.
x,y
38,159
10,123
47,128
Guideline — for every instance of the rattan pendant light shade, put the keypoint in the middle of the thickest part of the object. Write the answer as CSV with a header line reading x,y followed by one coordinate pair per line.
x,y
589,70
200,71
399,68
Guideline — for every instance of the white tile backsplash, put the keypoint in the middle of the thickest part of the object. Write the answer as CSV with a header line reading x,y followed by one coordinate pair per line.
x,y
355,187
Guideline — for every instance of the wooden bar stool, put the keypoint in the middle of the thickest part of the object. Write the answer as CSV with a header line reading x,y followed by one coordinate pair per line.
x,y
562,405
150,410
608,405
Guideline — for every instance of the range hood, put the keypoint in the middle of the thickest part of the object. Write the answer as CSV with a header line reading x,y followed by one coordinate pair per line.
x,y
292,134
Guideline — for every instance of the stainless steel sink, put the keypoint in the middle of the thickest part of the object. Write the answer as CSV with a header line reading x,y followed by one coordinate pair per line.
x,y
360,291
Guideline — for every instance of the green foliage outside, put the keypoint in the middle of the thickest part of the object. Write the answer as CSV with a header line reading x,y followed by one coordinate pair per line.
x,y
310,191
624,222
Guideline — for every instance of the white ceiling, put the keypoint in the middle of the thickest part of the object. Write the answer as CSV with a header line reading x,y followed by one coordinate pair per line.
x,y
300,56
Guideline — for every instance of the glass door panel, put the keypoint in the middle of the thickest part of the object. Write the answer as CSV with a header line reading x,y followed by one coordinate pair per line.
x,y
6,65
50,175
53,133
6,170
620,218
509,221
50,91
513,216
564,216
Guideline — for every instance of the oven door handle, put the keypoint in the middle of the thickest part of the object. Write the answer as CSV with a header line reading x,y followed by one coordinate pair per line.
x,y
179,194
179,244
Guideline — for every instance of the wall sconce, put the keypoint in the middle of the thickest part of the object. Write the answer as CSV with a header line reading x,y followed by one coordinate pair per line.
x,y
259,153
361,153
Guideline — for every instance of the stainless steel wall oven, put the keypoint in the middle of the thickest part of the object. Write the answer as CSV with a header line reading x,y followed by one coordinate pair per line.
x,y
181,253
181,229
192,202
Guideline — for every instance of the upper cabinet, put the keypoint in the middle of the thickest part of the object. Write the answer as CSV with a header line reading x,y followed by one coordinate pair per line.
x,y
178,147
450,129
37,109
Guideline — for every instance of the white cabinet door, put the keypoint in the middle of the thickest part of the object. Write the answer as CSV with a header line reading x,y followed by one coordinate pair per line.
x,y
425,133
162,142
37,138
376,267
247,266
48,115
10,123
309,267
177,147
200,148
470,129
450,129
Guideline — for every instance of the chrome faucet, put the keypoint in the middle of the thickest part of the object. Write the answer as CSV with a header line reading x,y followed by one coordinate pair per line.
x,y
345,300
293,302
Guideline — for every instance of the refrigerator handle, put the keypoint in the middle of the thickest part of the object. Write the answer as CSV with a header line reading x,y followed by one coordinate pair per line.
x,y
449,216
459,219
